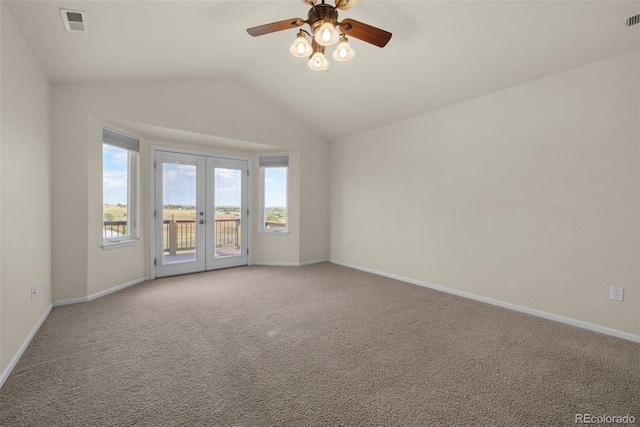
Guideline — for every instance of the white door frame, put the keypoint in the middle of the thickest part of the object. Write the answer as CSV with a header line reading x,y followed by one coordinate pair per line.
x,y
158,148
191,265
224,163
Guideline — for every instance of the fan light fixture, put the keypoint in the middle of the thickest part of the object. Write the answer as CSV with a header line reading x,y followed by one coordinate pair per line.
x,y
326,30
318,62
343,51
326,35
300,48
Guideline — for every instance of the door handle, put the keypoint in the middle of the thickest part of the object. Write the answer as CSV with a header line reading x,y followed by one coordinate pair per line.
x,y
202,221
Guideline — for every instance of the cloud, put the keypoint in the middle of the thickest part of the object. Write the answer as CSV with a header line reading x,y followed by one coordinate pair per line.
x,y
115,156
173,171
114,187
223,173
114,180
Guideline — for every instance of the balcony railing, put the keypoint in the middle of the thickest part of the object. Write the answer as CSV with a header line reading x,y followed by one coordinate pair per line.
x,y
179,236
273,224
114,228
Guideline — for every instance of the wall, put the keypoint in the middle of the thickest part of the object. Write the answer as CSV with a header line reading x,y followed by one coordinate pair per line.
x,y
25,230
222,109
527,196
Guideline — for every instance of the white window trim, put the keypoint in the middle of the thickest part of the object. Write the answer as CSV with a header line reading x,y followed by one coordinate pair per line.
x,y
118,244
132,206
271,231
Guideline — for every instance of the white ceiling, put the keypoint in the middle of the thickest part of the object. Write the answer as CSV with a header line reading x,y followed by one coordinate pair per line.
x,y
441,53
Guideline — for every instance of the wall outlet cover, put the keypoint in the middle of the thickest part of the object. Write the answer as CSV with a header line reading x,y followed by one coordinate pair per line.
x,y
616,293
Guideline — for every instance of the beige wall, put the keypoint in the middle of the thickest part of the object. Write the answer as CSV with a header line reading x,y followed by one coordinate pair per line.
x,y
223,109
528,196
25,230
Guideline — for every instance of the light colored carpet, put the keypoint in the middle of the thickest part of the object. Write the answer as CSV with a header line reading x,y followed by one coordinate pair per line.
x,y
315,345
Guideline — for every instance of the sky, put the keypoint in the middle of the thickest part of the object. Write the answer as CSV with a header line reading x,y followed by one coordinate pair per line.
x,y
275,187
114,175
179,182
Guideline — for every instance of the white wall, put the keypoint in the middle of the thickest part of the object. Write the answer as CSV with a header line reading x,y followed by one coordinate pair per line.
x,y
220,108
25,230
529,195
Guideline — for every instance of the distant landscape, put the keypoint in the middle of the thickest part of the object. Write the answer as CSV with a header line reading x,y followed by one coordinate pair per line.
x,y
118,212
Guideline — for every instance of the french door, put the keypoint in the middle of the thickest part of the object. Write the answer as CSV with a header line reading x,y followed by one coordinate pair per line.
x,y
200,213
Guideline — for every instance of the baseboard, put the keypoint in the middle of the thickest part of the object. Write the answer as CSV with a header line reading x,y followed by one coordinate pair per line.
x,y
291,264
314,261
510,306
69,301
16,357
276,264
99,294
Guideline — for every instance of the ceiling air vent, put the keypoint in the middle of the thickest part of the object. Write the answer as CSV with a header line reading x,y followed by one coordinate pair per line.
x,y
632,20
75,21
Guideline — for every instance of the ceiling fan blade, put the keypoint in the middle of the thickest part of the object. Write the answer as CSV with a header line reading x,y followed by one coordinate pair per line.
x,y
275,26
365,32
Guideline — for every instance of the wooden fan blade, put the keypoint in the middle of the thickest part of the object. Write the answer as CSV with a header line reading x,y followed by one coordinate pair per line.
x,y
275,26
365,32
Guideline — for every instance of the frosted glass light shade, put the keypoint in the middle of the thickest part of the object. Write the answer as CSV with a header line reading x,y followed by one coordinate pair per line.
x,y
318,62
350,4
300,48
326,34
343,51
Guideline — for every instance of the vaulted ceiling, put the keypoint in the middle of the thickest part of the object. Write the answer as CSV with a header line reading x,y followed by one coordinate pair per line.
x,y
441,53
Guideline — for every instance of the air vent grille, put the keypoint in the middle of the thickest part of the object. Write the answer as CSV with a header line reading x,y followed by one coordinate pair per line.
x,y
632,20
75,21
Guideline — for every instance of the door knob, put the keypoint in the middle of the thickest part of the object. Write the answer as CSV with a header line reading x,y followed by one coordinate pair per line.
x,y
202,221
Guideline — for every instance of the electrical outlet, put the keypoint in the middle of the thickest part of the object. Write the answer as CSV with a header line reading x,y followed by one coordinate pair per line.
x,y
34,291
616,293
348,246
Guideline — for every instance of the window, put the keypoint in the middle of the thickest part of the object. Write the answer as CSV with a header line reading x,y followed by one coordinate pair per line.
x,y
119,186
273,202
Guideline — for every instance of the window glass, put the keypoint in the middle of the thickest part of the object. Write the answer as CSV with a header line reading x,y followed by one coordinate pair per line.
x,y
118,192
274,213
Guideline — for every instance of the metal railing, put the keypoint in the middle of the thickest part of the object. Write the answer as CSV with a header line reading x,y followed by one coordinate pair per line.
x,y
179,236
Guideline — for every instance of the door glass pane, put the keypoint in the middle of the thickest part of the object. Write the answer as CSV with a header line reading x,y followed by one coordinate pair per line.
x,y
179,212
228,205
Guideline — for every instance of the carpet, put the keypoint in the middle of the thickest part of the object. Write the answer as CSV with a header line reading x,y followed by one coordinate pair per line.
x,y
311,346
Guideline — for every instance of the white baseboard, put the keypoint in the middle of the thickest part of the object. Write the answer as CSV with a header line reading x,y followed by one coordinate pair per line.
x,y
99,294
276,264
314,261
291,264
14,360
569,321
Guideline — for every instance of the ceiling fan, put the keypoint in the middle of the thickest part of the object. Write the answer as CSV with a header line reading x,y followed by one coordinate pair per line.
x,y
323,22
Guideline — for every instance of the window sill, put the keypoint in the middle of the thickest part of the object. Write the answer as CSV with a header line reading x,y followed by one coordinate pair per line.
x,y
273,233
114,245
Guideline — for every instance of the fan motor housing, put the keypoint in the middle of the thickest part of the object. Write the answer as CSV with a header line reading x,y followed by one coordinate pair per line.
x,y
320,13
